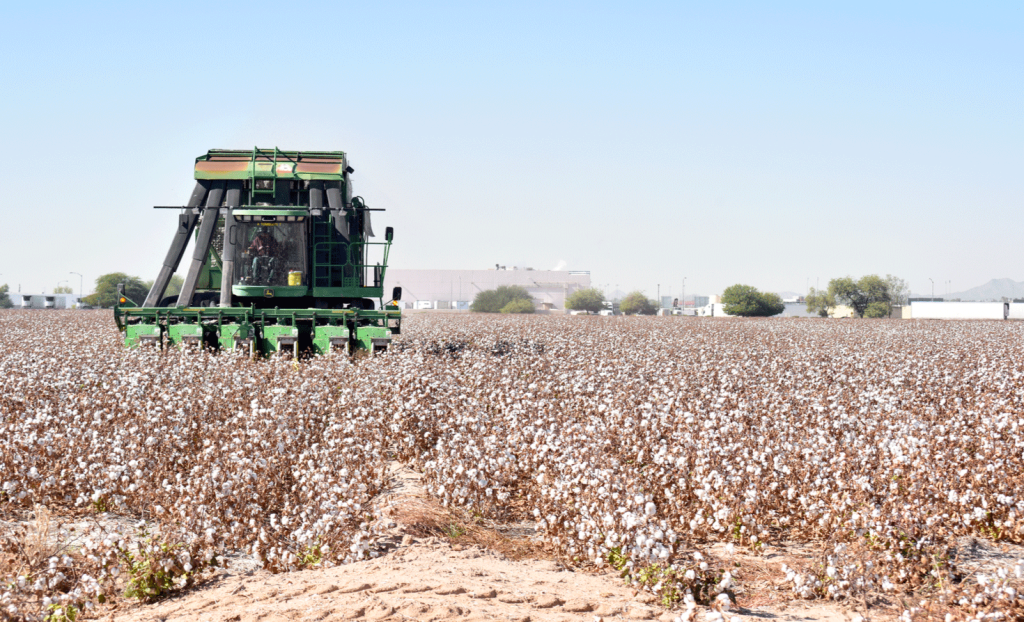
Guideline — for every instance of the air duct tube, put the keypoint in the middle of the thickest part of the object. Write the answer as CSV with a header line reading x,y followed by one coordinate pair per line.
x,y
231,233
206,230
186,224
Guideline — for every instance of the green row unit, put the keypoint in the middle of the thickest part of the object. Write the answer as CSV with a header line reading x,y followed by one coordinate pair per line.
x,y
260,332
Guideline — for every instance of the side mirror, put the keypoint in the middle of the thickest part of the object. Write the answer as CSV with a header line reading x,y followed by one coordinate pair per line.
x,y
396,294
389,233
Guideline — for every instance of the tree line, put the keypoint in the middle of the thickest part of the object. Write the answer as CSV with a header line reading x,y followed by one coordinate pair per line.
x,y
105,295
870,296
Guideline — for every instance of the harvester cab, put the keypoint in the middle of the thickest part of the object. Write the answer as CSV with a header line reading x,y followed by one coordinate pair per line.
x,y
283,261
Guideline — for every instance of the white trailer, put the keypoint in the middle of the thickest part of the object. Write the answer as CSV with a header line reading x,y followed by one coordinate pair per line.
x,y
929,310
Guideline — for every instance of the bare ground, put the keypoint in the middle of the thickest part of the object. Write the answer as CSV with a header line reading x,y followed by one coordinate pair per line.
x,y
486,571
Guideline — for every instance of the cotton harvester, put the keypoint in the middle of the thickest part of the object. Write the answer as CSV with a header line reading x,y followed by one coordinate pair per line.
x,y
281,261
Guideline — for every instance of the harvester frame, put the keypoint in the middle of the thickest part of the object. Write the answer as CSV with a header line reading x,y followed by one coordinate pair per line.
x,y
304,283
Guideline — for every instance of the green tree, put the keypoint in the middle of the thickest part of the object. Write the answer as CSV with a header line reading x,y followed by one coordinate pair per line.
x,y
746,301
870,291
494,300
635,303
519,305
62,289
820,301
590,300
173,286
5,299
106,289
899,291
878,310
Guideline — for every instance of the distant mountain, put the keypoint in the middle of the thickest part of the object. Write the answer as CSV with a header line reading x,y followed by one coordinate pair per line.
x,y
996,289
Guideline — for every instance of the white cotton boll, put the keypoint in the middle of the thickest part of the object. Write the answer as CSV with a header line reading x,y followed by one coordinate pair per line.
x,y
723,601
650,509
690,575
151,441
730,548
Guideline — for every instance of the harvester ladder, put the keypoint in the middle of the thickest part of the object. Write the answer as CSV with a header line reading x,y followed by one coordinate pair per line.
x,y
272,189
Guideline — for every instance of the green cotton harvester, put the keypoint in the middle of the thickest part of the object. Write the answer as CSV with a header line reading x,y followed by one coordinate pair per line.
x,y
282,262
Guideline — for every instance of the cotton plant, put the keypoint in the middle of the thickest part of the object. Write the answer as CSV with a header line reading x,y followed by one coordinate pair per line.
x,y
641,441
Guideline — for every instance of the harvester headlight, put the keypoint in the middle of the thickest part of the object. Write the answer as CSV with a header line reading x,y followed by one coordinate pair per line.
x,y
122,300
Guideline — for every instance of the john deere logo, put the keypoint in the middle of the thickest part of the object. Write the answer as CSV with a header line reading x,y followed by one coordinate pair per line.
x,y
268,293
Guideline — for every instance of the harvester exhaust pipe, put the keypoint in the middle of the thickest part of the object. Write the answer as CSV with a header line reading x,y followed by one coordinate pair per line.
x,y
186,224
232,200
206,229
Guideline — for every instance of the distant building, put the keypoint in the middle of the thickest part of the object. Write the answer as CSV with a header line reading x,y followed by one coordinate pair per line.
x,y
456,289
937,310
43,301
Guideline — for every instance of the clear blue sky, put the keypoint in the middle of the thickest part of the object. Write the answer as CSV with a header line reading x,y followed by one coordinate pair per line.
x,y
771,144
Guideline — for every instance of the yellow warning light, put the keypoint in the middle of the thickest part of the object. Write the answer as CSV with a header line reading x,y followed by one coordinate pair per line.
x,y
123,300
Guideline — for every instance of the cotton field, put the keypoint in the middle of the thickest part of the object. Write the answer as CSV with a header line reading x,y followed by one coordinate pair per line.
x,y
635,442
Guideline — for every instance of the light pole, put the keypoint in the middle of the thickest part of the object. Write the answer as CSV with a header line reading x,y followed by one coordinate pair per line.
x,y
79,286
933,286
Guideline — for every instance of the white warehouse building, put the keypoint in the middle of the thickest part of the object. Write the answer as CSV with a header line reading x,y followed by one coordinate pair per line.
x,y
456,289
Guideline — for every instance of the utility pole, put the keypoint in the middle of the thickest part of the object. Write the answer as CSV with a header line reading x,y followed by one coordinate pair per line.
x,y
933,287
659,295
79,287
